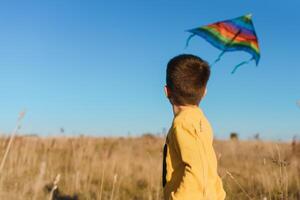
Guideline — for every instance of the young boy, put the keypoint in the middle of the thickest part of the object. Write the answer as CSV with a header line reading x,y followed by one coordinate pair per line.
x,y
190,164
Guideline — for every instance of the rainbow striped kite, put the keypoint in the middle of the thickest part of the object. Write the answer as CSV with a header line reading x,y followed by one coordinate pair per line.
x,y
236,34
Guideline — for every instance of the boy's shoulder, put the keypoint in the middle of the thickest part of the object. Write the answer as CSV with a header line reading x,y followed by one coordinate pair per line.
x,y
188,116
188,119
193,121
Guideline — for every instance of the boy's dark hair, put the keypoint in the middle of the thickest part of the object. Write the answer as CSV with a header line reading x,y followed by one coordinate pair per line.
x,y
187,76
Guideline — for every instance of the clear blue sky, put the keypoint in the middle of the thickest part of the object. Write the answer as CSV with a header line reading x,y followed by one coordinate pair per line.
x,y
98,67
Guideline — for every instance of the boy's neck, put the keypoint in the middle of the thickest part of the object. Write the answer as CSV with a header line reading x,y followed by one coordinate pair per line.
x,y
177,108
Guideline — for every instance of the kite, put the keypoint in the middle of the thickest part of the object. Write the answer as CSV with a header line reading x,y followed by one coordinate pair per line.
x,y
236,34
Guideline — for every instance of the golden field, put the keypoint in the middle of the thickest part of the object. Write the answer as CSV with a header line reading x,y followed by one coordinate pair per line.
x,y
129,168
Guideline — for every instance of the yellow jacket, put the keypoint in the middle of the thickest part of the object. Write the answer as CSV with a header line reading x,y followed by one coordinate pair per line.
x,y
190,164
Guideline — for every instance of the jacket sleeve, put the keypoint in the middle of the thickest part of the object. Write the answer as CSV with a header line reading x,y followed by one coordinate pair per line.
x,y
192,153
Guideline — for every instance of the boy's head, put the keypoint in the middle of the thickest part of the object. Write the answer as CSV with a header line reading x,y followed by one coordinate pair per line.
x,y
187,76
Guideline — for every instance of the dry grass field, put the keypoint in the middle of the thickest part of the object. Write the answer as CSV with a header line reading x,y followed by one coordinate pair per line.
x,y
130,168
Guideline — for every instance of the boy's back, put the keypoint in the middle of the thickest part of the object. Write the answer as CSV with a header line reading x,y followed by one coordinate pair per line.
x,y
190,161
190,164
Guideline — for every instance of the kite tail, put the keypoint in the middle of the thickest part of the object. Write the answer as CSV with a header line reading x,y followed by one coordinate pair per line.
x,y
218,59
242,63
188,40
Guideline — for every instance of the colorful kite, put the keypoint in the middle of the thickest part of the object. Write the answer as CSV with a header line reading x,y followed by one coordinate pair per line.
x,y
236,34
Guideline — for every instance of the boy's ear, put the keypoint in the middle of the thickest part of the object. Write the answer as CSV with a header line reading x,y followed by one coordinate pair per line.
x,y
205,91
167,91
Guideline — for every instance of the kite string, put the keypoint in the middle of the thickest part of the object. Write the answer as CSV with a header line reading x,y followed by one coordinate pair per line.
x,y
242,63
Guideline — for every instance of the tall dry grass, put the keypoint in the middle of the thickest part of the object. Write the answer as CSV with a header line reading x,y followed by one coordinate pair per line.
x,y
130,168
